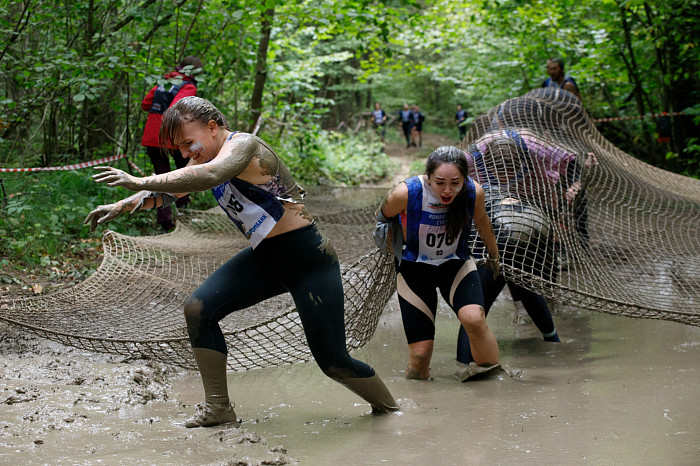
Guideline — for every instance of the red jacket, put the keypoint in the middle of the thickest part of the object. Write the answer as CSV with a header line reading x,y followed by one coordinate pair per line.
x,y
151,130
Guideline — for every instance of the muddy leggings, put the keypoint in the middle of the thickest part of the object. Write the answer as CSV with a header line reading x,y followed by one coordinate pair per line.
x,y
301,262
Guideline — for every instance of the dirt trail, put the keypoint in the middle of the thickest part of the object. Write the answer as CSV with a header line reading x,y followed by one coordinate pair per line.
x,y
404,157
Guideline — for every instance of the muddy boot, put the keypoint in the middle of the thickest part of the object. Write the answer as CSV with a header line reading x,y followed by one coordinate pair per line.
x,y
372,390
216,409
213,414
466,371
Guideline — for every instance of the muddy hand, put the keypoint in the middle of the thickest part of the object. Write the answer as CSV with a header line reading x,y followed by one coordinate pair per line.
x,y
494,265
115,177
572,192
102,214
591,160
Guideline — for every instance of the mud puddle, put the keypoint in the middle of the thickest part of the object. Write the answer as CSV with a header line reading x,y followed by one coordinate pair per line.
x,y
615,391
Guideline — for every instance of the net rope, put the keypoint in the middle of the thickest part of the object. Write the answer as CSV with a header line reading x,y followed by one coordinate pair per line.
x,y
637,255
132,305
629,241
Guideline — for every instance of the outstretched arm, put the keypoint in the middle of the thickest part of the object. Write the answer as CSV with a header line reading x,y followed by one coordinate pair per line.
x,y
483,226
139,201
232,159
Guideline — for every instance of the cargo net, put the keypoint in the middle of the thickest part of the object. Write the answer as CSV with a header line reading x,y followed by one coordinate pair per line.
x,y
580,221
133,304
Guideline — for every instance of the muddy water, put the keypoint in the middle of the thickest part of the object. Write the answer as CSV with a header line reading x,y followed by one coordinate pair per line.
x,y
615,391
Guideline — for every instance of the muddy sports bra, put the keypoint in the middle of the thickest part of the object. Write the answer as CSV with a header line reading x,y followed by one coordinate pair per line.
x,y
426,220
256,208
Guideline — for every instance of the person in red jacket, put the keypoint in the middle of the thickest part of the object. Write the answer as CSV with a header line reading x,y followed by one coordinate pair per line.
x,y
156,102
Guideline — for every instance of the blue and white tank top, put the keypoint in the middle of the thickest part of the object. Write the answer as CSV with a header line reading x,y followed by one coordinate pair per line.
x,y
426,222
549,82
378,116
256,208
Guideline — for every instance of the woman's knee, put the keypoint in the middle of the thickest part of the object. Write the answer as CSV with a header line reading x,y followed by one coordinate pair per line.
x,y
472,317
193,308
420,354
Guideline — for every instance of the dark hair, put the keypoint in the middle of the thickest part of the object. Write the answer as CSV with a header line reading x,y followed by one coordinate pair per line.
x,y
188,109
503,149
191,60
457,210
558,61
504,154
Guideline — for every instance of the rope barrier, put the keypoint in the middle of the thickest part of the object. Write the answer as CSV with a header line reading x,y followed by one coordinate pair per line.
x,y
638,117
135,167
257,125
75,166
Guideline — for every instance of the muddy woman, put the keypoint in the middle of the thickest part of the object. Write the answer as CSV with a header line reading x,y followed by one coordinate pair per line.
x,y
426,221
287,252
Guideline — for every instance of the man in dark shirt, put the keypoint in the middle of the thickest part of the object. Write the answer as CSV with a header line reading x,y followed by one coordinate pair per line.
x,y
406,122
461,119
557,78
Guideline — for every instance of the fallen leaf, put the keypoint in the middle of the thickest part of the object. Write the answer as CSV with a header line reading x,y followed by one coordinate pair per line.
x,y
37,288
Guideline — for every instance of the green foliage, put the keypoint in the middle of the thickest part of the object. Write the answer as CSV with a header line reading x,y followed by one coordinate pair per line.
x,y
74,74
333,158
44,214
689,160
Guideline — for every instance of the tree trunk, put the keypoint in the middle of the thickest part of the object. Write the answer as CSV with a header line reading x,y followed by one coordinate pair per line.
x,y
261,67
50,127
638,91
85,110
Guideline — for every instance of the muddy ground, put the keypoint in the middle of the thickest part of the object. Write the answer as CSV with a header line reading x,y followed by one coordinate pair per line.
x,y
614,391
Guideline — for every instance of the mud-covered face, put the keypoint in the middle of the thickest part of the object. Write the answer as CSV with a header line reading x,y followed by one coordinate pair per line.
x,y
198,142
446,181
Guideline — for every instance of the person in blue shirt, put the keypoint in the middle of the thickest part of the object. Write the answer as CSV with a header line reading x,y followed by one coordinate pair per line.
x,y
557,78
379,118
406,121
287,251
461,119
432,215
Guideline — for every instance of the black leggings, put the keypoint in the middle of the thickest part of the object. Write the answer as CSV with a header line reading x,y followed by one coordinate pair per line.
x,y
301,262
421,282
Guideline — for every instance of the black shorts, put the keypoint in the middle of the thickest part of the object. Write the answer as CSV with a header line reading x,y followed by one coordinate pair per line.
x,y
418,282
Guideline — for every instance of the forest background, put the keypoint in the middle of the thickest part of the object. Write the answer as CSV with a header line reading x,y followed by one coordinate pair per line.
x,y
73,75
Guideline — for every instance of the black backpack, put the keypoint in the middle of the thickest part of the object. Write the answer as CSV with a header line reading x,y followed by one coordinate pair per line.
x,y
162,98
